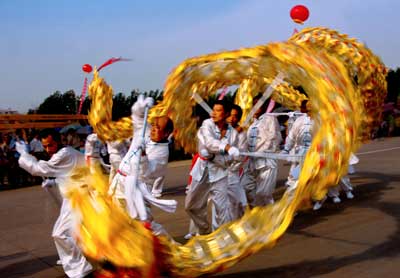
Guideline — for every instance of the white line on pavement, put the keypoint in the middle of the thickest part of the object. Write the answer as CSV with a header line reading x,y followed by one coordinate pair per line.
x,y
378,151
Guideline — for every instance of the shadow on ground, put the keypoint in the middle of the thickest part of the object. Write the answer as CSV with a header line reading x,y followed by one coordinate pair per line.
x,y
368,195
26,268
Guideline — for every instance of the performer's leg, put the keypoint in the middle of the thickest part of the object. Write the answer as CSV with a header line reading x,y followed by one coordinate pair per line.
x,y
158,186
236,195
193,230
196,203
220,200
266,183
333,193
114,167
346,186
248,182
74,263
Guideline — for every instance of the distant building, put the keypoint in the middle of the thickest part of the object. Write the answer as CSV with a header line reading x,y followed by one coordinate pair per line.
x,y
8,111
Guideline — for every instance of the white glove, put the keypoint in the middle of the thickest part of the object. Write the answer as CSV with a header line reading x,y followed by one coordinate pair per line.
x,y
291,114
234,152
48,183
21,147
141,103
149,102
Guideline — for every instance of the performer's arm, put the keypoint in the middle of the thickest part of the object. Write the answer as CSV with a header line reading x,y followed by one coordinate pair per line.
x,y
55,167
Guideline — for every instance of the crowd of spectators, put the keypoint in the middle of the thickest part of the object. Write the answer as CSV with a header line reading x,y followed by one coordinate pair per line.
x,y
11,175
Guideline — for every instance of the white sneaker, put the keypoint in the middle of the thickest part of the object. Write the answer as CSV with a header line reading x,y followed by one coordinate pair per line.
x,y
336,200
58,262
319,204
349,195
156,194
188,236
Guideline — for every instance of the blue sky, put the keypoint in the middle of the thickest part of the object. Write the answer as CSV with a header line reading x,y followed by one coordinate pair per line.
x,y
44,43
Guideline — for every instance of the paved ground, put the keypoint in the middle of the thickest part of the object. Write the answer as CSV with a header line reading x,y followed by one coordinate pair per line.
x,y
357,238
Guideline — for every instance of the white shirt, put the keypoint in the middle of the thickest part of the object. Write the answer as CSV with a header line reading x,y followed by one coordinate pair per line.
x,y
117,150
117,147
59,166
93,146
209,138
300,135
36,146
264,135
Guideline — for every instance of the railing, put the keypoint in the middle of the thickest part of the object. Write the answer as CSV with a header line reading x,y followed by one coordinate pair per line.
x,y
16,121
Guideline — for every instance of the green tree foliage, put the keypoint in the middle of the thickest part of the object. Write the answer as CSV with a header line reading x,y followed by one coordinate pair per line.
x,y
121,106
393,85
59,103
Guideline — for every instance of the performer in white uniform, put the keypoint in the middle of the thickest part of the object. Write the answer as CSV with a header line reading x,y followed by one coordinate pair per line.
x,y
93,148
260,175
236,192
298,140
210,174
116,150
60,166
151,152
344,184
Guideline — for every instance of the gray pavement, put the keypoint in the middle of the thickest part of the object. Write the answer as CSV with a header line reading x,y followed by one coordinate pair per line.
x,y
357,238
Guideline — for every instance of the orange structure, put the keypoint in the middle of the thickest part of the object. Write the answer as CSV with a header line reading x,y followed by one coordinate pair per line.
x,y
9,122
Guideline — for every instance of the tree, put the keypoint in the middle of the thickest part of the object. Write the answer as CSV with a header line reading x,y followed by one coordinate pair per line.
x,y
393,85
59,103
121,106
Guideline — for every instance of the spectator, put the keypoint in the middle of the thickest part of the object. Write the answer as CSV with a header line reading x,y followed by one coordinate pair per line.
x,y
36,147
3,159
73,139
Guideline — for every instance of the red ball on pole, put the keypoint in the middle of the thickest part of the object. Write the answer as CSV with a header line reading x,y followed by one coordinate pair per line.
x,y
299,14
87,68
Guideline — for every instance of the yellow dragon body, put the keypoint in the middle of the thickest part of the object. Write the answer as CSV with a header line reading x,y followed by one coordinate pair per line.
x,y
345,84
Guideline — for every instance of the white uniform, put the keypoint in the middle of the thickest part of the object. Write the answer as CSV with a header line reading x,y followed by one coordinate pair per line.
x,y
116,150
210,177
93,148
293,116
152,166
60,166
260,174
36,146
298,142
236,192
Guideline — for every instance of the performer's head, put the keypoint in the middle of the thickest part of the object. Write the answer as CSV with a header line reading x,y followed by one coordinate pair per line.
x,y
304,106
263,107
221,111
50,141
235,116
161,129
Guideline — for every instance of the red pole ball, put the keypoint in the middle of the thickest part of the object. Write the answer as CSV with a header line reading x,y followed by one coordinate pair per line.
x,y
87,68
299,14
